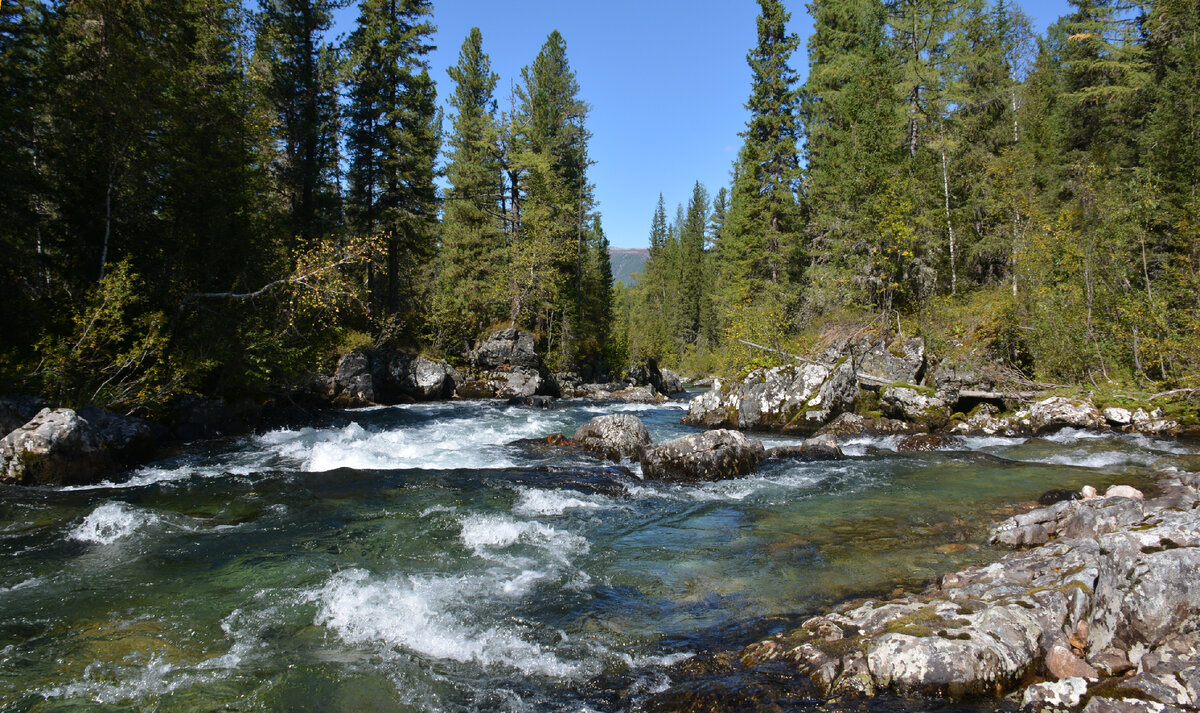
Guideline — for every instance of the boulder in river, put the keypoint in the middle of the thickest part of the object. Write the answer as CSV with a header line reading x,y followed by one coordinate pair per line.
x,y
377,376
1059,412
712,455
922,442
853,424
819,447
615,436
353,382
66,447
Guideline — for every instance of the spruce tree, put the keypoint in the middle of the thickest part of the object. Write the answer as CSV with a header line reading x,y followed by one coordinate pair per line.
x,y
302,88
393,138
764,211
473,277
853,126
557,200
691,239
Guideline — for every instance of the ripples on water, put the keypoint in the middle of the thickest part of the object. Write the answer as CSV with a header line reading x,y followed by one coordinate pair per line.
x,y
409,559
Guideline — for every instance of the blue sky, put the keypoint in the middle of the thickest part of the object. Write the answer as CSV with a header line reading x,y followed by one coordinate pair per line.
x,y
666,80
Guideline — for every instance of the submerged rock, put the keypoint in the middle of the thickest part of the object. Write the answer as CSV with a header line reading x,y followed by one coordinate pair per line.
x,y
713,455
615,436
922,442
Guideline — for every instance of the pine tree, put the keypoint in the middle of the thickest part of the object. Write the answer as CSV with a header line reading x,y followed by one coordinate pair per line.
x,y
473,279
393,138
302,88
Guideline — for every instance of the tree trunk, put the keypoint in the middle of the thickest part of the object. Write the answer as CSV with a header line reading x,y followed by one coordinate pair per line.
x,y
107,220
949,223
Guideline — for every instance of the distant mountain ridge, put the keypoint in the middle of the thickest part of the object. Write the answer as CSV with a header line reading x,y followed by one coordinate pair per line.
x,y
626,262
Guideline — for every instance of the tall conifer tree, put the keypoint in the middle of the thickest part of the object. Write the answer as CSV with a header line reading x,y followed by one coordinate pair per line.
x,y
393,138
473,278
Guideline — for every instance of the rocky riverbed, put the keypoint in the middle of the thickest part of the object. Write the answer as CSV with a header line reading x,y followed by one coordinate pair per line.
x,y
1103,614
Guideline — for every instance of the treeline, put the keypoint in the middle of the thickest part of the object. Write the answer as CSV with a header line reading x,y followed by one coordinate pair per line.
x,y
204,197
940,158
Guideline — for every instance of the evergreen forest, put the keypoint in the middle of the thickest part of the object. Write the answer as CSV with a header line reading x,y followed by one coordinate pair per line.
x,y
206,197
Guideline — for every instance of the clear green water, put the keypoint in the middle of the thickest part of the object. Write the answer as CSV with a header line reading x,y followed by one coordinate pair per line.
x,y
406,559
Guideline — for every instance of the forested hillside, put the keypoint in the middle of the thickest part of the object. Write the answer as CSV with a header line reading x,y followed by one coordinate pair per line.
x,y
942,169
627,264
204,198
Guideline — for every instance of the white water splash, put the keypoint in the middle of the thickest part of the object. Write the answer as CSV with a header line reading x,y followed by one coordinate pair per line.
x,y
533,502
429,615
111,522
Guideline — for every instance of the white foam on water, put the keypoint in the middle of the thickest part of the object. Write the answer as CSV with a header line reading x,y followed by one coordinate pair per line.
x,y
983,443
859,445
533,502
1070,436
25,584
488,535
111,522
436,443
1103,459
429,615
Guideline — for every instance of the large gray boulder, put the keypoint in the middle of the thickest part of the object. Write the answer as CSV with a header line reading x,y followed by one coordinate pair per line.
x,y
365,378
615,436
63,447
408,377
522,383
797,398
822,446
507,347
712,455
353,382
671,383
903,360
1059,412
915,404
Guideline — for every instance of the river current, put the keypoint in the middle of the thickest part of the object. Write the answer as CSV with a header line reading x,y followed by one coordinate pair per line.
x,y
412,559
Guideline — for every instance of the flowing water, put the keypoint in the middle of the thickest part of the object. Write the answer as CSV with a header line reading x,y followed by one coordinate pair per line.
x,y
411,559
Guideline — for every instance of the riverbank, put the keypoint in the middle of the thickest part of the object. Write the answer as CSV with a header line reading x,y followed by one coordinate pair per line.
x,y
1102,613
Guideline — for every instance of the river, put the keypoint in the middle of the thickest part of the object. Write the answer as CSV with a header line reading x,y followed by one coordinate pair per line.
x,y
410,559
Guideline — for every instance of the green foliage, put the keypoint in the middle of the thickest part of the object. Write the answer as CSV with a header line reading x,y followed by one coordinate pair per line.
x,y
116,354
